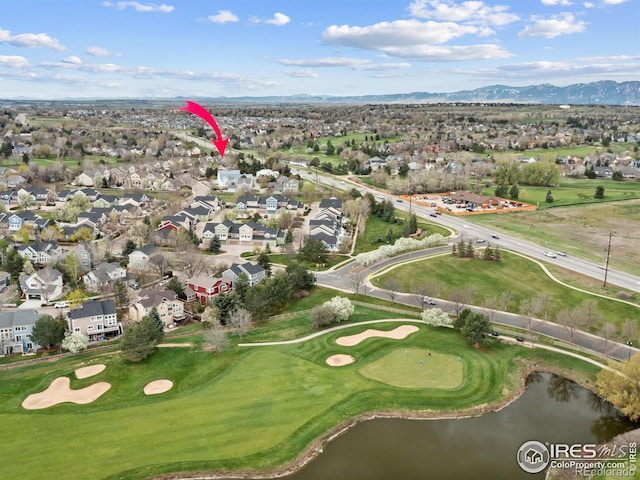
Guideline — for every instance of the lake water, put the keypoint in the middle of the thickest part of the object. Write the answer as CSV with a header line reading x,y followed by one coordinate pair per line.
x,y
552,409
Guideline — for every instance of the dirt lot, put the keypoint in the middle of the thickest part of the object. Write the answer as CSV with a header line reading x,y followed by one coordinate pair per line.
x,y
582,231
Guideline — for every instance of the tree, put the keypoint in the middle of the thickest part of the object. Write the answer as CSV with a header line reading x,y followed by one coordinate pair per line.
x,y
76,296
264,262
314,251
210,317
477,328
155,316
216,337
622,389
27,267
321,316
436,318
129,247
214,244
240,320
75,342
341,307
72,268
356,278
299,276
121,293
176,285
599,192
607,332
459,297
571,319
549,198
140,339
48,331
514,191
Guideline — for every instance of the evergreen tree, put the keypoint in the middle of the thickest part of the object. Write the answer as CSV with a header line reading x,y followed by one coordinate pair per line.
x,y
214,244
549,198
264,262
514,191
599,192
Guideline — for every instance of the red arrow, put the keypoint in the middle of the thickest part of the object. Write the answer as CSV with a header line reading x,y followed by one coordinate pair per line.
x,y
199,110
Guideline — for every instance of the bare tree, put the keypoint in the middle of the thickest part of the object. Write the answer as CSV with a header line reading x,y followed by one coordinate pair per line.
x,y
628,329
356,278
240,320
459,298
571,319
158,263
505,300
607,333
420,292
589,311
216,337
392,285
491,304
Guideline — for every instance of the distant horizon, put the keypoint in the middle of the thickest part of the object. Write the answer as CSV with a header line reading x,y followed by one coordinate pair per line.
x,y
301,97
147,49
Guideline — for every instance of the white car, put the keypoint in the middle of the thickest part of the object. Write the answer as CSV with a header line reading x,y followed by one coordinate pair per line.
x,y
466,226
62,305
550,254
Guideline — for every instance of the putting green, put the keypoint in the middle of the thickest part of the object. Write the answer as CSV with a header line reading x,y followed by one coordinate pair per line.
x,y
415,368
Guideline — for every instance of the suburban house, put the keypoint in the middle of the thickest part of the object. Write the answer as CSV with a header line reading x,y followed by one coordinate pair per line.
x,y
253,272
15,331
250,233
326,225
96,319
205,288
85,255
41,253
207,201
139,258
103,275
166,302
268,205
231,180
45,284
285,185
19,219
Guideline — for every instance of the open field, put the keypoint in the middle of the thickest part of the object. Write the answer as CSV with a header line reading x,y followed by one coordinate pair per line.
x,y
576,192
242,409
517,275
580,231
376,229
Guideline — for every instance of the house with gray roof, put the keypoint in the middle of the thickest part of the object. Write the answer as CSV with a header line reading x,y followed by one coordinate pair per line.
x,y
103,275
253,272
45,284
96,319
15,331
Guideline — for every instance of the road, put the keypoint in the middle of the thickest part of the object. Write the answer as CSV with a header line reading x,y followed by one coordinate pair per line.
x,y
341,279
470,231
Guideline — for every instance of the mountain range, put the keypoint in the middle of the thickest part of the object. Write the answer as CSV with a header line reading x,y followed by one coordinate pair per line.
x,y
606,92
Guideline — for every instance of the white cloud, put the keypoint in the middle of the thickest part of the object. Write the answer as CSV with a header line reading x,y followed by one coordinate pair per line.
x,y
344,62
301,73
278,19
13,61
614,2
223,16
140,7
562,3
72,60
589,5
98,52
399,33
470,12
30,40
561,24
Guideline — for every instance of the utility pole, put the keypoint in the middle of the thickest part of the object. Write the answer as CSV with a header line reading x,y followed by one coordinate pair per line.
x,y
606,265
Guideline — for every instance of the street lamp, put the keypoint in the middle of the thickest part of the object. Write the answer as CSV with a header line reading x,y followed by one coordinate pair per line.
x,y
606,265
630,343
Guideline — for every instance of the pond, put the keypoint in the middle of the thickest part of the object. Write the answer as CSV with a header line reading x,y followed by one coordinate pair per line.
x,y
552,409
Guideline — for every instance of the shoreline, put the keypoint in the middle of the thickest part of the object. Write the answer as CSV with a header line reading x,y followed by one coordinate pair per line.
x,y
315,448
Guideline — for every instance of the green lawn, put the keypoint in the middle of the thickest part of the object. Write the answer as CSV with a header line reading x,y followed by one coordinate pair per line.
x,y
515,274
248,408
576,192
376,229
416,368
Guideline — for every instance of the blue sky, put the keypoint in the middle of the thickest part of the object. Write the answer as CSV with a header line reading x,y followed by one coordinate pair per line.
x,y
132,49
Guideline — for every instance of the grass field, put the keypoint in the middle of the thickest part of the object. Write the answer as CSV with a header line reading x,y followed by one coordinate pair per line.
x,y
243,409
416,368
576,192
580,231
376,228
517,275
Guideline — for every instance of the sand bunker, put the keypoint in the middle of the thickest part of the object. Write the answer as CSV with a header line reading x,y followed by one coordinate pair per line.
x,y
89,371
60,392
158,386
397,334
340,360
